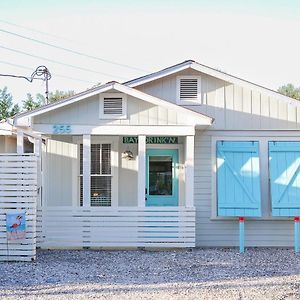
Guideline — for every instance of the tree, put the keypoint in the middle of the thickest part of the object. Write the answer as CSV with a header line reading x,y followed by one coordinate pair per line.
x,y
59,95
30,103
290,90
7,108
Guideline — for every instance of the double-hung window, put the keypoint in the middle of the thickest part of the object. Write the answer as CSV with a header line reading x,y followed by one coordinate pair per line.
x,y
101,175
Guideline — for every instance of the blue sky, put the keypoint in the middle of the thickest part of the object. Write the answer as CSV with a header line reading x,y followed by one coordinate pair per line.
x,y
256,40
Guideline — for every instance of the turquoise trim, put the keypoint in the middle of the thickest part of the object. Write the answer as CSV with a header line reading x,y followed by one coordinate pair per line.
x,y
284,172
238,179
161,200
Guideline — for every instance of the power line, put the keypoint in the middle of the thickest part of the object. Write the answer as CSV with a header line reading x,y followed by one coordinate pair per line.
x,y
40,73
37,31
54,74
71,51
58,62
18,76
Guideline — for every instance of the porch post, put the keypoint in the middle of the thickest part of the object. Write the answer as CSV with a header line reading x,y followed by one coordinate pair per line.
x,y
37,150
37,146
141,170
20,142
189,171
86,169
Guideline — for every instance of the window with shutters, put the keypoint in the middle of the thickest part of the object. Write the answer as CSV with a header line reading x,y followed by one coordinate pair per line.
x,y
113,106
189,90
101,175
238,178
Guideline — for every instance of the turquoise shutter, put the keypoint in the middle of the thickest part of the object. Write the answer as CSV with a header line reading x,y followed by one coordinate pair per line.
x,y
238,179
284,165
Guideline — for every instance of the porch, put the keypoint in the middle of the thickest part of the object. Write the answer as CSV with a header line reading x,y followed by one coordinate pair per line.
x,y
117,170
95,196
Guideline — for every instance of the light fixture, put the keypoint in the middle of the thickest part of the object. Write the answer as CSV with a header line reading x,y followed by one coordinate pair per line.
x,y
127,154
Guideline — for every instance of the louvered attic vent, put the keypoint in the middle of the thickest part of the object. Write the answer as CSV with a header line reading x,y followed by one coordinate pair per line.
x,y
188,89
113,106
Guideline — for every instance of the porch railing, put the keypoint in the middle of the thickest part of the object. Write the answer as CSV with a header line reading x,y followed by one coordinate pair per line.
x,y
130,227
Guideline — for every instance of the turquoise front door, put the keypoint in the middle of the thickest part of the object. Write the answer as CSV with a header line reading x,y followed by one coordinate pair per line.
x,y
161,177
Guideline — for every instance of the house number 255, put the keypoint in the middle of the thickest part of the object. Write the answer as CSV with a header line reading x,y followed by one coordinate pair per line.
x,y
61,129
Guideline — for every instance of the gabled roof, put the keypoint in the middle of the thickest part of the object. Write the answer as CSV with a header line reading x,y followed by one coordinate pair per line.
x,y
203,119
5,128
209,71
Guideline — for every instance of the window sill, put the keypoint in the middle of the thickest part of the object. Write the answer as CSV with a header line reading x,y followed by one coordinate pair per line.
x,y
188,103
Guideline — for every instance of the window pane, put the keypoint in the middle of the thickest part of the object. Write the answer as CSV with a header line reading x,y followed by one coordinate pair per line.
x,y
81,158
160,175
100,191
81,190
95,158
106,159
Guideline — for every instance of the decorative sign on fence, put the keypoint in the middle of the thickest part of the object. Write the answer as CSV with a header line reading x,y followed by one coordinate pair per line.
x,y
15,226
152,140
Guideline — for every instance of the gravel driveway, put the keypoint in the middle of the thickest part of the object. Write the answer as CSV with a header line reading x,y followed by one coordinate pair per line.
x,y
197,274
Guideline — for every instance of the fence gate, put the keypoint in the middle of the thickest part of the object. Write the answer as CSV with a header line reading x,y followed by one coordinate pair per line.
x,y
18,197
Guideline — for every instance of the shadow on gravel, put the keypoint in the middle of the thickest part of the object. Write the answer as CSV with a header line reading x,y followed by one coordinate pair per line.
x,y
105,272
71,291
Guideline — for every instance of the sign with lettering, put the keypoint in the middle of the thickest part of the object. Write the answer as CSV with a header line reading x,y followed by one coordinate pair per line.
x,y
61,129
152,140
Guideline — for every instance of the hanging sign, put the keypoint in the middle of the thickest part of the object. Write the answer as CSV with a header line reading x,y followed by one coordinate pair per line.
x,y
15,226
152,140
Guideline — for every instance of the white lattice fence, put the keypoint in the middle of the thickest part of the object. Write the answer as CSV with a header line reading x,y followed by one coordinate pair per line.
x,y
160,227
18,194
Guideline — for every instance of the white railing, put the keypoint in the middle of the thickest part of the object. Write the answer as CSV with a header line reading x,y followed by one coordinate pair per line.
x,y
130,227
18,194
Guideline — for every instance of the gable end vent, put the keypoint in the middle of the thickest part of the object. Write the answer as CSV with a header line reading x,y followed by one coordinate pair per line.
x,y
113,106
188,89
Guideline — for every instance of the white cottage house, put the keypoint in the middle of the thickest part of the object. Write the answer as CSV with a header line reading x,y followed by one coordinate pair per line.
x,y
171,159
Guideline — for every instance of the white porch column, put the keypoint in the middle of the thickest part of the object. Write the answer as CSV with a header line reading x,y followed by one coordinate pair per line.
x,y
37,149
20,142
141,170
37,146
86,170
189,170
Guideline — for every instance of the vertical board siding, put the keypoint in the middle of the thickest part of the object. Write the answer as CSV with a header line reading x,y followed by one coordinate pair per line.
x,y
18,193
227,102
60,158
284,168
86,112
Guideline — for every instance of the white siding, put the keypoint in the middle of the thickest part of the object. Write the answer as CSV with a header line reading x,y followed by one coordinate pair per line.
x,y
86,112
231,104
219,232
57,169
61,170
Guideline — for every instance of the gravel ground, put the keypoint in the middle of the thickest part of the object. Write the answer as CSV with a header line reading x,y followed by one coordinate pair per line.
x,y
197,274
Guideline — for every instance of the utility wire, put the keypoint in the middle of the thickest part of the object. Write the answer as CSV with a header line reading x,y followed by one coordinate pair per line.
x,y
30,79
71,51
58,62
57,75
37,31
